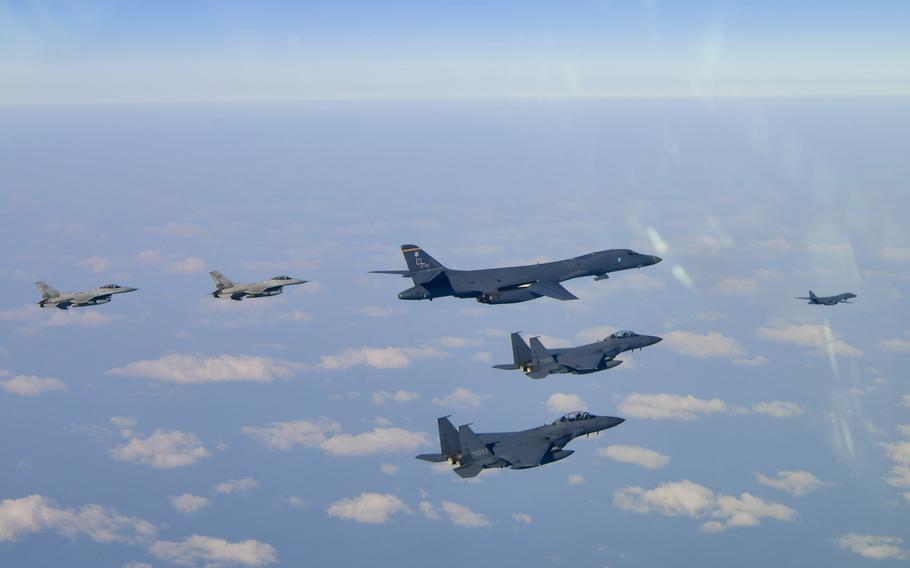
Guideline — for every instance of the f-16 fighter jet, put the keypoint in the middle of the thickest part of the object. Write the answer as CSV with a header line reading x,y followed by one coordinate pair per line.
x,y
470,453
537,361
511,284
828,300
270,287
51,298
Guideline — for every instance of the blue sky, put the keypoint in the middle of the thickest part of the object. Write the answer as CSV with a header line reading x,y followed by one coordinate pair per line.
x,y
169,429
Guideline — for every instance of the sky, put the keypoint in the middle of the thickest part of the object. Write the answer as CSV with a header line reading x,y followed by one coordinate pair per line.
x,y
168,428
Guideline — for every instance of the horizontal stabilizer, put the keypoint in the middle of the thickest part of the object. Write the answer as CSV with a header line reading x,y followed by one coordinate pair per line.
x,y
506,367
402,273
551,290
435,458
538,374
466,471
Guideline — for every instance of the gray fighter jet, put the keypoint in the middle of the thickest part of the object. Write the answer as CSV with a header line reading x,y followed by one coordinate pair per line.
x,y
470,453
511,284
537,361
271,287
828,300
51,298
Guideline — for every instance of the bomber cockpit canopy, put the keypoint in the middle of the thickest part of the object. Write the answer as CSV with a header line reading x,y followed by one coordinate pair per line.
x,y
281,277
575,416
111,286
623,333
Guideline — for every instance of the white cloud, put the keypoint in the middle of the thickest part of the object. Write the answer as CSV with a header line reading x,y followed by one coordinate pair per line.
x,y
381,397
458,342
560,402
163,449
189,503
483,357
463,516
371,508
189,369
327,436
124,421
818,337
637,455
96,264
575,479
597,333
703,346
898,345
796,483
670,406
137,565
214,552
29,385
296,502
756,361
178,230
188,265
377,311
522,518
874,547
379,357
685,498
905,400
778,409
36,513
711,316
894,254
428,510
232,486
389,469
899,454
461,398
736,286
35,318
776,244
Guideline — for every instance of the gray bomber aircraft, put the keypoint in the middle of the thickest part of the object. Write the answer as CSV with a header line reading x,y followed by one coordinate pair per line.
x,y
510,284
271,287
828,300
470,453
51,298
537,361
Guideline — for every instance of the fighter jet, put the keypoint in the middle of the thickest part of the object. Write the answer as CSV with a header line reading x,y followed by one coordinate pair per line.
x,y
51,298
470,453
537,361
511,284
271,287
828,300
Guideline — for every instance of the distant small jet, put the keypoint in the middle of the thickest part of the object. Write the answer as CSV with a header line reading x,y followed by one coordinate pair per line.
x,y
828,300
537,361
512,284
470,453
51,298
271,287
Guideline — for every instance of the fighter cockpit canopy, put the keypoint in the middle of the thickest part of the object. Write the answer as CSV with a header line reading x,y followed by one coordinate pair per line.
x,y
281,277
623,333
111,286
575,416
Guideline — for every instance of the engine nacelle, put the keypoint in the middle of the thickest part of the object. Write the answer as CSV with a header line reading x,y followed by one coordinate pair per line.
x,y
415,293
506,296
556,455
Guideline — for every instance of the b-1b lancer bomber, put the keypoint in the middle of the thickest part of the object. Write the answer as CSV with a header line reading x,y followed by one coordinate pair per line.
x,y
225,288
537,361
512,284
51,298
470,453
828,300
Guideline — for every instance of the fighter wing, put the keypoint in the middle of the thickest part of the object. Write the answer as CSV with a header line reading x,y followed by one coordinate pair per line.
x,y
97,297
585,361
552,290
524,453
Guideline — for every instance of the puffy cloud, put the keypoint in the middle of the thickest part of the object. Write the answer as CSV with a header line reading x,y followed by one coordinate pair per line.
x,y
376,311
296,502
463,516
736,286
905,400
461,398
96,264
796,483
899,453
124,421
214,552
560,402
458,342
36,513
898,345
483,357
389,469
874,547
189,370
818,337
670,406
704,345
188,265
35,319
575,479
776,244
231,486
327,436
597,333
371,508
756,361
379,357
522,518
428,510
686,498
29,385
894,254
163,449
381,397
778,409
189,503
637,455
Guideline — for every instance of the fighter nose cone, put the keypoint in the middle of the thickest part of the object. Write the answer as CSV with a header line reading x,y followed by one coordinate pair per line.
x,y
656,259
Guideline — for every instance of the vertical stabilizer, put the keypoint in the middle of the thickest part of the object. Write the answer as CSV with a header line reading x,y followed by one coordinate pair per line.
x,y
521,353
47,292
449,444
472,447
812,295
221,281
418,259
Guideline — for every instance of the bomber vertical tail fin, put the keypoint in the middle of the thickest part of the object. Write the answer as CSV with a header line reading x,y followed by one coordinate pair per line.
x,y
418,259
812,295
221,281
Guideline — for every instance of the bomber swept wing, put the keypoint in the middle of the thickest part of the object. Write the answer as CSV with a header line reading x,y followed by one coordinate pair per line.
x,y
551,290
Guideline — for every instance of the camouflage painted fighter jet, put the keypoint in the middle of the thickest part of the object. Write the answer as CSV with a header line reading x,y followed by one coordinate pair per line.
x,y
51,298
537,361
471,453
271,287
511,284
